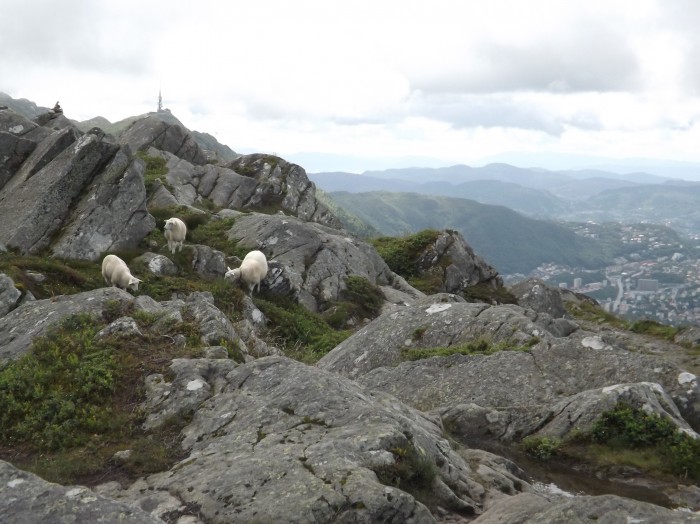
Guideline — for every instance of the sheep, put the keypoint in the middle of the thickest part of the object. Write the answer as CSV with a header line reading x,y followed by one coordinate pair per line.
x,y
251,271
116,273
175,232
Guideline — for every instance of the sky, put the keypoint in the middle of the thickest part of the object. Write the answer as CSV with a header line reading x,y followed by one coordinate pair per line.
x,y
339,85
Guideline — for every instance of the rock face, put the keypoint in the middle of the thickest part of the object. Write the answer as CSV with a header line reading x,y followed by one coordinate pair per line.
x,y
458,265
76,195
557,366
313,259
279,441
166,134
250,182
27,498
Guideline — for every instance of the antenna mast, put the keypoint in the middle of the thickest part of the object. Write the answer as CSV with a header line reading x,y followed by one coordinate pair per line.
x,y
160,101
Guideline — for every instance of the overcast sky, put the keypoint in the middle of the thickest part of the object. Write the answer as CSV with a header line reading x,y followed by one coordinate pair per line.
x,y
374,83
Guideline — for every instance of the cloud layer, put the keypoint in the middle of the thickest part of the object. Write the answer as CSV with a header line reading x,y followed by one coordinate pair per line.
x,y
448,79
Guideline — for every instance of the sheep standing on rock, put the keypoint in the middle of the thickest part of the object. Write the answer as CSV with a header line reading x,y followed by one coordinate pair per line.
x,y
116,273
175,232
252,271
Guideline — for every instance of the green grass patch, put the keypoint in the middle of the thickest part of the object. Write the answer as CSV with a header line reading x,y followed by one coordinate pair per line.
x,y
156,167
628,435
359,300
592,313
542,448
485,293
654,329
303,335
62,277
71,401
475,347
401,253
411,471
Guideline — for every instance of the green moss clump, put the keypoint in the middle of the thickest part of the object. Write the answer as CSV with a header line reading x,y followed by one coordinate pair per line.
x,y
542,448
155,169
304,335
654,329
626,427
401,253
359,300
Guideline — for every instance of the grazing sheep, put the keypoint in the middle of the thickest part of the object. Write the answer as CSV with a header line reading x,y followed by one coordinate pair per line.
x,y
251,271
116,273
175,232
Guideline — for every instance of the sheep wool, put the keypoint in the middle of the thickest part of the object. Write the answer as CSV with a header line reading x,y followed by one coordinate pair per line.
x,y
252,271
116,273
175,232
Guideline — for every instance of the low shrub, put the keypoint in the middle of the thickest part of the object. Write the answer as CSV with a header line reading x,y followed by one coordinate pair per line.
x,y
401,253
540,447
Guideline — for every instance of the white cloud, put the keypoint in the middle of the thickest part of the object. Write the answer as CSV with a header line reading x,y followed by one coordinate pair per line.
x,y
449,79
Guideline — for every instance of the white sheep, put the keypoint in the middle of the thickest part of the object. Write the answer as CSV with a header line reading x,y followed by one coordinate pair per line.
x,y
251,271
116,273
175,232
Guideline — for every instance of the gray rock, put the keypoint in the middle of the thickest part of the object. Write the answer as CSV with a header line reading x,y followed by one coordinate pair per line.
x,y
207,262
314,259
14,151
214,326
122,327
158,264
215,352
435,321
87,199
581,411
14,123
535,294
9,295
531,508
195,381
166,134
32,319
28,499
111,215
690,335
542,376
458,265
279,430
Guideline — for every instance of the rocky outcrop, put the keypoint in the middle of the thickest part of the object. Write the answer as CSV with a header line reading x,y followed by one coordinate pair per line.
x,y
313,259
531,508
26,498
437,321
76,196
456,264
9,295
250,182
277,440
538,296
166,134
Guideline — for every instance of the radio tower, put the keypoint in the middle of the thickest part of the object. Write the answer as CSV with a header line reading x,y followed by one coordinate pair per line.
x,y
160,102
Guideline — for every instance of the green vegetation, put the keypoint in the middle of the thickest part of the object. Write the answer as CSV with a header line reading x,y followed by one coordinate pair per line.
x,y
411,471
155,169
475,347
401,253
626,427
303,335
70,403
61,276
542,448
654,329
360,299
592,313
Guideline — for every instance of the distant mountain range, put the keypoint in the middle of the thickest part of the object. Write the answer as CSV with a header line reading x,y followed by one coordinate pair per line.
x,y
559,195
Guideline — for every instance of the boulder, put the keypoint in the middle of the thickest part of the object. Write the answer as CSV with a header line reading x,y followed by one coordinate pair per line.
x,y
86,200
27,498
32,319
314,259
9,295
167,134
159,265
538,296
14,151
279,441
457,264
439,320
